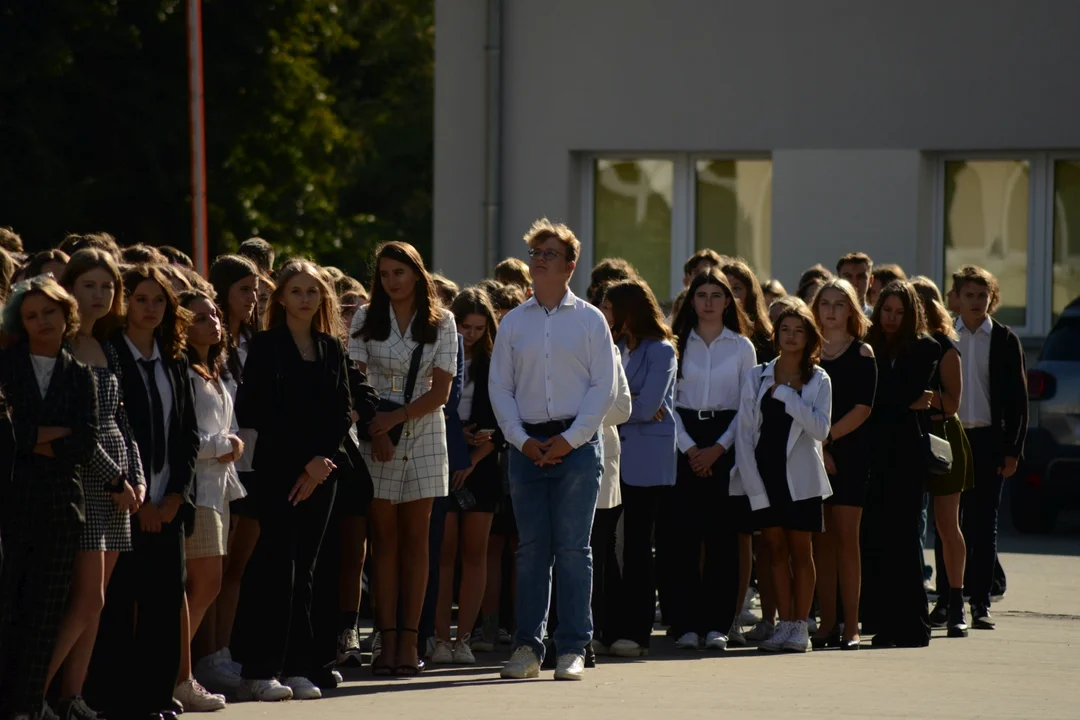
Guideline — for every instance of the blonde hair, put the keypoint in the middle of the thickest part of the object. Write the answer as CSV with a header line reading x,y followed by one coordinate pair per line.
x,y
857,324
543,229
327,317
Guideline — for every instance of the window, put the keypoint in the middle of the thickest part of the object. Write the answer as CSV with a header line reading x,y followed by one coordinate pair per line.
x,y
656,211
1066,253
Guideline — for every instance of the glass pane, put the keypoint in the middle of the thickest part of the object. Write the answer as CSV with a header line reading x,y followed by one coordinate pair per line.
x,y
733,210
986,224
632,211
1066,234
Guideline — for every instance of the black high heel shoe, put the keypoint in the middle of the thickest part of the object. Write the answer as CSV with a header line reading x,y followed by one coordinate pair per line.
x,y
853,644
830,640
410,670
379,669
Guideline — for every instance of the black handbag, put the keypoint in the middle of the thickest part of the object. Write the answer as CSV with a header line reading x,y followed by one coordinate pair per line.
x,y
390,406
938,452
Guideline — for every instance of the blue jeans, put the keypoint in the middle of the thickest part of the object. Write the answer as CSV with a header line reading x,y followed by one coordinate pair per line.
x,y
554,508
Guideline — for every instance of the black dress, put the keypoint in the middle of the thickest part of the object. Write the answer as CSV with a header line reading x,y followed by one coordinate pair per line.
x,y
893,598
771,457
854,382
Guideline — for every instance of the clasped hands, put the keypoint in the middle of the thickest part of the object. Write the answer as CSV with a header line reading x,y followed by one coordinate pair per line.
x,y
548,452
701,461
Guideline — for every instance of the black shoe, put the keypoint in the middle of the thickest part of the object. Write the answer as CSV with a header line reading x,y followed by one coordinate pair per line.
x,y
883,640
590,656
958,627
850,644
323,678
830,640
981,619
168,714
176,707
939,617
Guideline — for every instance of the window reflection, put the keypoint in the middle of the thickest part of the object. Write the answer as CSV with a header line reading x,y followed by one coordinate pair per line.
x,y
1066,258
733,210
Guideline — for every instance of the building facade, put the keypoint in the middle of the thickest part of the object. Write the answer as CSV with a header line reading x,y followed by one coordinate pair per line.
x,y
930,133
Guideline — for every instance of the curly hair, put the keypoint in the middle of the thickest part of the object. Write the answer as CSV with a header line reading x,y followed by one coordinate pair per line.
x,y
172,332
13,329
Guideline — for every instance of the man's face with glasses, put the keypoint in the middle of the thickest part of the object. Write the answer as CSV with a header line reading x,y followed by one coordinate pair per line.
x,y
548,261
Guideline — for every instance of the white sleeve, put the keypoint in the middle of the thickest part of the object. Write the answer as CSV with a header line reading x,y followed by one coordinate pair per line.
x,y
501,386
747,361
601,393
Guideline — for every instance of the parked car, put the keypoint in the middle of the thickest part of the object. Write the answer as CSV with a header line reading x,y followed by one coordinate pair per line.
x,y
1048,479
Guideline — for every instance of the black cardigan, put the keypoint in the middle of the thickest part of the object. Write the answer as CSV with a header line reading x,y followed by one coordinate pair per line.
x,y
1008,392
183,442
268,402
897,429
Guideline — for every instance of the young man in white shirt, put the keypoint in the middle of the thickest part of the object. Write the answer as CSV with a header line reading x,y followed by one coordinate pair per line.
x,y
552,381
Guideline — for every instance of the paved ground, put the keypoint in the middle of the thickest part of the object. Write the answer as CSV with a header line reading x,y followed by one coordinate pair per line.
x,y
1028,667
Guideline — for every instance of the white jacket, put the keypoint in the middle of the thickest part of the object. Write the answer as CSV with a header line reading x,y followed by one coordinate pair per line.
x,y
216,483
610,495
811,412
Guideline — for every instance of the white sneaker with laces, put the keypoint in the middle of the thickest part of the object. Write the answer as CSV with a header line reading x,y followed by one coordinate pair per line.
x,y
781,636
217,674
688,641
442,653
735,637
628,649
746,617
716,641
570,667
799,639
302,688
463,654
761,632
348,647
264,691
195,698
523,665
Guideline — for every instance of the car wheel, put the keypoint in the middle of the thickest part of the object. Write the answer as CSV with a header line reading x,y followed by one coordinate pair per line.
x,y
1030,512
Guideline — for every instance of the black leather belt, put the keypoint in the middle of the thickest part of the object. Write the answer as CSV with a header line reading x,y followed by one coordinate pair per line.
x,y
703,415
549,428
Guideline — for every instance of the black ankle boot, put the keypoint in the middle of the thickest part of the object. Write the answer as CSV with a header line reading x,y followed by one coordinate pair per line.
x,y
939,616
958,626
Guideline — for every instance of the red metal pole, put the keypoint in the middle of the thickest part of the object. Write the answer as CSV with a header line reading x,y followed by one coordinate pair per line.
x,y
200,253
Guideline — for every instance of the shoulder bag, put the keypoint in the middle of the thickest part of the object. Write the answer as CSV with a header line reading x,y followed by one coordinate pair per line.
x,y
390,406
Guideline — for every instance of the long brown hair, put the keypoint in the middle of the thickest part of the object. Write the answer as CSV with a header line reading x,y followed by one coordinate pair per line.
x,y
82,262
327,318
215,358
734,317
755,297
226,271
937,316
911,327
812,352
857,323
172,332
634,307
474,300
425,327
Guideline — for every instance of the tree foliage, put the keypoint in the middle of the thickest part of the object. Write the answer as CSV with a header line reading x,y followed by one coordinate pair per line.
x,y
318,122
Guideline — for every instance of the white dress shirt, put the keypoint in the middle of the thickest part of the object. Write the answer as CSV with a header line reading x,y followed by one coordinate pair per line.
x,y
974,350
552,365
216,483
160,480
610,495
712,377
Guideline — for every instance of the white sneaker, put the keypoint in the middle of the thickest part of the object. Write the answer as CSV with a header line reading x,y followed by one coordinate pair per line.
x,y
716,641
337,677
217,673
781,636
735,637
761,632
746,617
752,599
570,667
302,688
688,641
523,665
463,654
799,639
195,698
442,654
628,649
348,647
264,691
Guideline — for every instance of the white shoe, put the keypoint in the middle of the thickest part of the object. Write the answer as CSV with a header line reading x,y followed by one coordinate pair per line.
x,y
337,677
688,641
761,632
799,638
302,688
628,649
264,691
217,673
523,665
570,667
716,641
442,653
746,617
735,637
781,636
752,599
195,698
463,654
348,647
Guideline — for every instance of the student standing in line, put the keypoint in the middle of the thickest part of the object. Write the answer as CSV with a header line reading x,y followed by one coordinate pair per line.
x,y
881,276
894,607
52,398
295,395
144,604
852,369
994,413
856,268
784,417
714,356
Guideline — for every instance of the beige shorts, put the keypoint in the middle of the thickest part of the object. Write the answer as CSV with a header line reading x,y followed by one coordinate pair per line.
x,y
211,534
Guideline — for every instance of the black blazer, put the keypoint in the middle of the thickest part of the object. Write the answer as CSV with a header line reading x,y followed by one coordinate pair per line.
x,y
70,401
1008,392
482,415
183,443
296,421
900,383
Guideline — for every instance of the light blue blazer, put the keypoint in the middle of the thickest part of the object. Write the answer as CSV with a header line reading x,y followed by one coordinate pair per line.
x,y
648,445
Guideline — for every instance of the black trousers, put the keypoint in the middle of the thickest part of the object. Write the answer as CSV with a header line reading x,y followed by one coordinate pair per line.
x,y
137,656
274,635
40,535
642,509
607,591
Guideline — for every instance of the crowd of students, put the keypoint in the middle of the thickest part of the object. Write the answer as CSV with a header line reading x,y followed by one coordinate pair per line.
x,y
194,468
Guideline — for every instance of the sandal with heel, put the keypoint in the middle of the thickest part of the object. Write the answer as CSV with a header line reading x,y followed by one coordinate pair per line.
x,y
381,670
410,670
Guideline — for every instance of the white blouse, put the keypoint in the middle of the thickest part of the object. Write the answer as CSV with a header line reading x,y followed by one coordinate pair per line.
x,y
711,379
43,370
216,483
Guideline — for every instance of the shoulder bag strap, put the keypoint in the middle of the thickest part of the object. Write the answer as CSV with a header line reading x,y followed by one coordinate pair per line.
x,y
414,370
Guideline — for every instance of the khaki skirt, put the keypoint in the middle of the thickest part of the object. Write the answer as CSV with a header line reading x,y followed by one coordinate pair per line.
x,y
211,534
962,476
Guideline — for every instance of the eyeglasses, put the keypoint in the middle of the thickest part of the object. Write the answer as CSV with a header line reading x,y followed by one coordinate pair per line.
x,y
548,255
